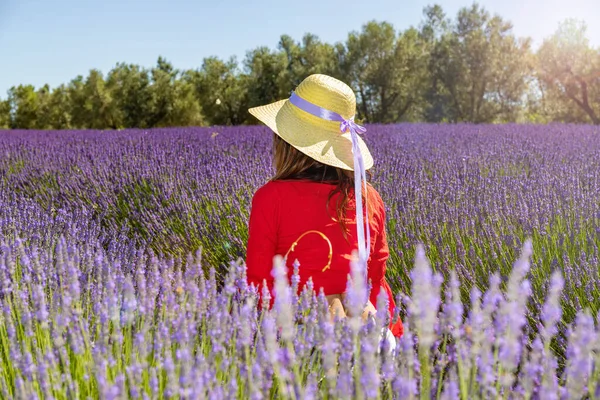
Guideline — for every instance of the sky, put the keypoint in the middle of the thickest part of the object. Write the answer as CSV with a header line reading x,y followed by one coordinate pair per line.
x,y
53,41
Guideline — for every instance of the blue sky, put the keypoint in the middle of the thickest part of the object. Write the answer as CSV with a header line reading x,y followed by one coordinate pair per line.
x,y
45,41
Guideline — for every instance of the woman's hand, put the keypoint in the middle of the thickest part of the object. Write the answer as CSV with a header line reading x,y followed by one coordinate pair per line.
x,y
336,307
368,311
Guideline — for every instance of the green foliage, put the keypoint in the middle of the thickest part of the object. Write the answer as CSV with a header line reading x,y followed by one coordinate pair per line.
x,y
172,101
23,100
56,110
265,69
4,114
130,85
468,69
478,67
310,56
569,74
388,72
222,93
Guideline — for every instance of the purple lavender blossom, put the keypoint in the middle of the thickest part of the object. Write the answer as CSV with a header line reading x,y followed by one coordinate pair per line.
x,y
98,283
426,299
582,343
552,312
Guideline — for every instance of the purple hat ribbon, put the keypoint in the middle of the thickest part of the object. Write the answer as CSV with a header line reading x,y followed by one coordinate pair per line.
x,y
360,180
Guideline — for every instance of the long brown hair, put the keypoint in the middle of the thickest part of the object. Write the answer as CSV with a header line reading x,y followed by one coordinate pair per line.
x,y
290,164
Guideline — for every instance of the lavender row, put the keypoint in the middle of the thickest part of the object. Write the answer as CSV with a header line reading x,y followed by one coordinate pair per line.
x,y
470,193
78,322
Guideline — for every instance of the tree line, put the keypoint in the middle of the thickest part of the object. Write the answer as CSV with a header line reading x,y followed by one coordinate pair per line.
x,y
470,68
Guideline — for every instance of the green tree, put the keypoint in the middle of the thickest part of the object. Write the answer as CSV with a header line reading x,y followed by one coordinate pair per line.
x,y
53,108
222,91
91,103
264,72
162,93
77,100
435,30
317,57
186,109
5,119
172,100
480,67
23,101
129,86
435,24
471,68
569,72
44,108
100,109
310,56
388,72
59,109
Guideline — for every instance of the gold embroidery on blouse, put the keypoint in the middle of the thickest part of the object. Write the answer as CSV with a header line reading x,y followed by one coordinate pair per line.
x,y
324,237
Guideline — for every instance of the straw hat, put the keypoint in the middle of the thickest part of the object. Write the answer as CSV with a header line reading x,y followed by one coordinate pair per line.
x,y
318,138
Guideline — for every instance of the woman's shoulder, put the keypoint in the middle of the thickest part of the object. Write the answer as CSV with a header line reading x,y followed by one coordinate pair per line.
x,y
273,189
281,185
277,188
265,191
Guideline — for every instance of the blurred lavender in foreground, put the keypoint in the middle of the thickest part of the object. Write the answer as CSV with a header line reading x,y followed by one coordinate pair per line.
x,y
100,328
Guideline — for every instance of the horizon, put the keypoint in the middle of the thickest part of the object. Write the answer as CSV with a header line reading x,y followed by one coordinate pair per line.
x,y
70,37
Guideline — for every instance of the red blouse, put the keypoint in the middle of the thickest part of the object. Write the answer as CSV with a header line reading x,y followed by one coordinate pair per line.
x,y
285,212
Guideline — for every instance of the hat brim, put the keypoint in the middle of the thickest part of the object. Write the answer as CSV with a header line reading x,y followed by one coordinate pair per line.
x,y
317,138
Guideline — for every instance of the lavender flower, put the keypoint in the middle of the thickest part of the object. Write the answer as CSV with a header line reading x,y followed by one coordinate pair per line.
x,y
582,344
426,299
283,300
552,312
104,291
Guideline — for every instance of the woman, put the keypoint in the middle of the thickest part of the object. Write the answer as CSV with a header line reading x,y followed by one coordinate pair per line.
x,y
307,211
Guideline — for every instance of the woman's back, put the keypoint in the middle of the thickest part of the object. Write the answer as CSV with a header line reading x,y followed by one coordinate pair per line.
x,y
291,217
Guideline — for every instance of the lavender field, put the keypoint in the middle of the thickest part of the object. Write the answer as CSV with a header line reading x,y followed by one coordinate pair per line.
x,y
121,269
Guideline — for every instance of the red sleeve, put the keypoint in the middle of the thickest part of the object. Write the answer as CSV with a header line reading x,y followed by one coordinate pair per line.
x,y
377,263
262,237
